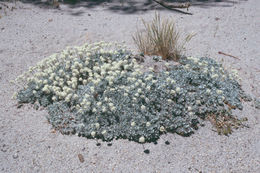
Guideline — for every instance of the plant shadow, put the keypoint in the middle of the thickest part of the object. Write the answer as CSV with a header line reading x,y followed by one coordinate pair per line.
x,y
131,6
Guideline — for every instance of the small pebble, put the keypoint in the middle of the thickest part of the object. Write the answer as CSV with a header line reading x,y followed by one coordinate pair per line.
x,y
146,151
15,156
81,158
4,149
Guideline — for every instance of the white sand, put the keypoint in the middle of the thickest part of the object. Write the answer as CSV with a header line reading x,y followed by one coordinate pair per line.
x,y
30,33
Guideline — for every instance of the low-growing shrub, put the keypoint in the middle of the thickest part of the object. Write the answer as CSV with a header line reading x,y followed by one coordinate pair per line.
x,y
100,91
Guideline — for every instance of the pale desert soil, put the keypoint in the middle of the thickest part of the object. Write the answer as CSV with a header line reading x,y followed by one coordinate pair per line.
x,y
32,32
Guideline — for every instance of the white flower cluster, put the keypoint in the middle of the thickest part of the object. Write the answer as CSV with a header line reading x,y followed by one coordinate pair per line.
x,y
196,60
61,74
234,74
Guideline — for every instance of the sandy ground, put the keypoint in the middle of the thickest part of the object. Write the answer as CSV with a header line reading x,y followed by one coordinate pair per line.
x,y
31,32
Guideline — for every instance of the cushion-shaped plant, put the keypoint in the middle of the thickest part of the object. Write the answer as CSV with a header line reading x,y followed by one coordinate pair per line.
x,y
100,91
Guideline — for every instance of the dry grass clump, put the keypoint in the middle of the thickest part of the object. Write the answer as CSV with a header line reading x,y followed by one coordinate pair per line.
x,y
161,38
225,123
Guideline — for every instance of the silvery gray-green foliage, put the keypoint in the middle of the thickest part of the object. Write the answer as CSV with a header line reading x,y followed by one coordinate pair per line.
x,y
98,92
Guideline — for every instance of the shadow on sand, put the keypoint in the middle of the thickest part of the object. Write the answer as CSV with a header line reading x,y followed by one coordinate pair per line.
x,y
132,6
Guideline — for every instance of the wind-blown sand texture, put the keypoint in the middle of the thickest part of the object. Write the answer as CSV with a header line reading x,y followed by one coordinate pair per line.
x,y
30,32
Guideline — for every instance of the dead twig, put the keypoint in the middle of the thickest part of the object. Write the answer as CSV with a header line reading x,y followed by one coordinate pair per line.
x,y
174,5
222,53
